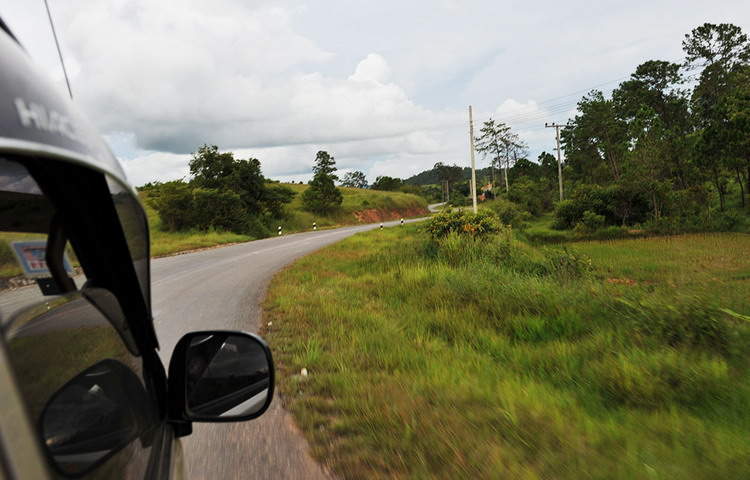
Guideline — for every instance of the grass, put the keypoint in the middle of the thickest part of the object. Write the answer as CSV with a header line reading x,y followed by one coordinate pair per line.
x,y
354,200
297,219
495,359
166,243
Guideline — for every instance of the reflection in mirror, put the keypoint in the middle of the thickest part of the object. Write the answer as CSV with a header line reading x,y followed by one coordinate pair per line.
x,y
228,375
92,417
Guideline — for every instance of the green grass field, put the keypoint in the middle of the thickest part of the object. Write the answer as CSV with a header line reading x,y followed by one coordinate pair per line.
x,y
495,359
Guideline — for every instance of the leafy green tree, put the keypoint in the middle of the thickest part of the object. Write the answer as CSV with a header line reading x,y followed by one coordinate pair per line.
x,y
323,197
721,51
355,179
387,183
324,164
212,169
595,141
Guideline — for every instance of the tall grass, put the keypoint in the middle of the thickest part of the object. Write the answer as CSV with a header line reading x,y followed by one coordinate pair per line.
x,y
471,358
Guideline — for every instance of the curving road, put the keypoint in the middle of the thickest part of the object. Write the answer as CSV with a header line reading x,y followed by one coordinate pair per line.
x,y
222,289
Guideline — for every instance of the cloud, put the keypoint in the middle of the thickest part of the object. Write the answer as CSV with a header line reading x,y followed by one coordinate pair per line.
x,y
383,86
373,68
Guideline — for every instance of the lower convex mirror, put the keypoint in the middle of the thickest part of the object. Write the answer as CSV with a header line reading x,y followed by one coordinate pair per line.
x,y
219,376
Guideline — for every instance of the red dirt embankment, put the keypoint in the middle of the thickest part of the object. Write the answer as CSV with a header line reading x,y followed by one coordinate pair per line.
x,y
373,215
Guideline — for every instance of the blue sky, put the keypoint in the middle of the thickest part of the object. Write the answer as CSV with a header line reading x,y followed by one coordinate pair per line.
x,y
384,86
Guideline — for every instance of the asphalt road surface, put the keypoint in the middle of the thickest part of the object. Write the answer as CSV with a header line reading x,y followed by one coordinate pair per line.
x,y
222,289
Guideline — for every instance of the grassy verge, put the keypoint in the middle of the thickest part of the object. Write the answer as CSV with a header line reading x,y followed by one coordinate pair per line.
x,y
297,219
495,359
166,243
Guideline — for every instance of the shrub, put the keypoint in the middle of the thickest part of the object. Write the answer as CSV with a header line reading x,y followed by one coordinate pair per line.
x,y
590,222
617,204
567,264
173,202
221,210
462,223
532,196
509,213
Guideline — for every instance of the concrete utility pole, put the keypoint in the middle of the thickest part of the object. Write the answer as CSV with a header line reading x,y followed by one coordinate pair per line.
x,y
557,126
473,163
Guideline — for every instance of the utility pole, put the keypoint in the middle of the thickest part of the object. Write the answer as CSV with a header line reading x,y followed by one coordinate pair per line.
x,y
473,163
557,126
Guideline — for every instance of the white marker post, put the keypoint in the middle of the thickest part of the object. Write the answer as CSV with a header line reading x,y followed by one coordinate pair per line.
x,y
381,225
279,230
315,226
402,222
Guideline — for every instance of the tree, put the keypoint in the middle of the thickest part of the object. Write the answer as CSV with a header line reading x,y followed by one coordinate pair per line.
x,y
322,196
721,51
387,183
211,169
355,179
493,143
448,174
325,164
596,140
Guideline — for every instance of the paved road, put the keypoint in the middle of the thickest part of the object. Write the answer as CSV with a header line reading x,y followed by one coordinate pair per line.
x,y
222,288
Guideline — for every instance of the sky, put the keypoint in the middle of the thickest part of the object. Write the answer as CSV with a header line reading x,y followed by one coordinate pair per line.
x,y
384,86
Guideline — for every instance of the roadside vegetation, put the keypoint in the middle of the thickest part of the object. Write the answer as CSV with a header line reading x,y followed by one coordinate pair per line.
x,y
668,151
228,200
457,350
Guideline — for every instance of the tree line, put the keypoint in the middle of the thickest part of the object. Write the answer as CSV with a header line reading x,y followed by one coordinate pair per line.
x,y
228,193
671,143
668,149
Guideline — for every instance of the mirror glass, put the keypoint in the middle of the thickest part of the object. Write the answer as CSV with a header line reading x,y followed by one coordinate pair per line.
x,y
92,417
227,375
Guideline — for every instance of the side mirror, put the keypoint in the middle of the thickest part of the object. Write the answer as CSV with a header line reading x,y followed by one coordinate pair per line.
x,y
220,376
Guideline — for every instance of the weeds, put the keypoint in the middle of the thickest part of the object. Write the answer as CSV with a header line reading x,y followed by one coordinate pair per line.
x,y
484,357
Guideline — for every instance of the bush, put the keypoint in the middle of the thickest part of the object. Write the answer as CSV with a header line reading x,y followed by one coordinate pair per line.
x,y
462,223
173,202
219,210
567,264
509,213
532,196
590,222
617,204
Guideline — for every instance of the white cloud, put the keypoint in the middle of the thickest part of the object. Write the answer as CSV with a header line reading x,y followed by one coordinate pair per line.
x,y
383,86
373,68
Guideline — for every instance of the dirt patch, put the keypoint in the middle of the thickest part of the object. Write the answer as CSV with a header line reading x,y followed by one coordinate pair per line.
x,y
373,215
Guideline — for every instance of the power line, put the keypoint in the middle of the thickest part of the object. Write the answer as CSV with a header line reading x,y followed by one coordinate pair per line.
x,y
59,52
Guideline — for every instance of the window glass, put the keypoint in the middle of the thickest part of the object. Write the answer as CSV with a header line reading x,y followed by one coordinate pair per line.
x,y
135,225
25,219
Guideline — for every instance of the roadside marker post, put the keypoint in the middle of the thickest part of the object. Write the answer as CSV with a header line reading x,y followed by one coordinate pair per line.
x,y
279,230
315,226
402,222
381,225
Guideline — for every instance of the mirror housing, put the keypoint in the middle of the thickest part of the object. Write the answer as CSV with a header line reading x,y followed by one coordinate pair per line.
x,y
220,376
